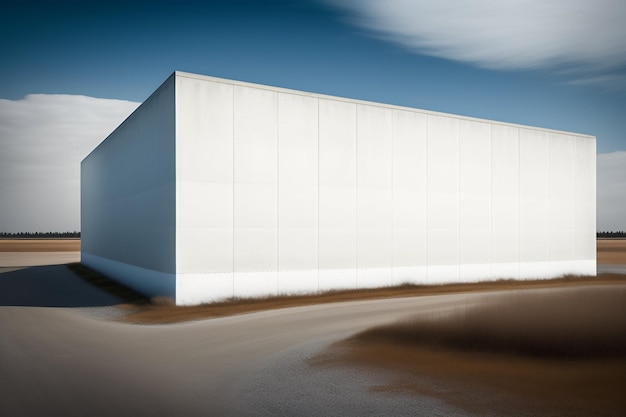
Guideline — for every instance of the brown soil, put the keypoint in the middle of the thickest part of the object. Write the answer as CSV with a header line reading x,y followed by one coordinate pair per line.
x,y
494,385
562,353
611,251
39,245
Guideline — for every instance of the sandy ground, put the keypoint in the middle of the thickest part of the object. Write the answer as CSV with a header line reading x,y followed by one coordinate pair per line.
x,y
19,253
83,361
39,245
59,362
611,251
62,361
15,260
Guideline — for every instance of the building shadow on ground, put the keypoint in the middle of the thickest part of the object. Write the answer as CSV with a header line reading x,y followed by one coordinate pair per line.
x,y
61,286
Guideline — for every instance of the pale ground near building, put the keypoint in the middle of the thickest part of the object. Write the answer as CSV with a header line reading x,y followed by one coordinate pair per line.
x,y
64,361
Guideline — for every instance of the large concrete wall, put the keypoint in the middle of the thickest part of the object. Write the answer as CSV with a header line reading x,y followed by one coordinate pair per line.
x,y
128,199
280,191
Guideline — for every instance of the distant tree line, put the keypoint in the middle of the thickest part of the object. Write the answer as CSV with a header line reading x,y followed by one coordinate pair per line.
x,y
40,235
76,235
611,234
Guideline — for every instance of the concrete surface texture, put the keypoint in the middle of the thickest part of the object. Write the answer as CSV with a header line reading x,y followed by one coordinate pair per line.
x,y
215,188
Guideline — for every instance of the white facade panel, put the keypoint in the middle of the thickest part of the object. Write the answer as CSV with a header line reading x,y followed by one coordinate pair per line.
x,y
535,270
128,198
255,284
215,189
297,193
534,201
475,272
294,282
255,187
337,194
502,270
562,184
505,201
337,279
585,214
204,288
474,199
410,194
204,177
443,198
374,203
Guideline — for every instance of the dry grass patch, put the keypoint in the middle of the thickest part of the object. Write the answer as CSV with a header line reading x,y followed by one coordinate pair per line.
x,y
164,311
580,323
554,353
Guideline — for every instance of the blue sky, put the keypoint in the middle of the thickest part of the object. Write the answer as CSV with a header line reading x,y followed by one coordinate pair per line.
x,y
559,64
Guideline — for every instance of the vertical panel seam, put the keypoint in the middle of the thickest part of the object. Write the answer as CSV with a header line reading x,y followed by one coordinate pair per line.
x,y
392,197
318,194
575,254
458,147
460,198
550,231
491,201
234,146
427,197
277,195
176,190
519,205
356,205
594,199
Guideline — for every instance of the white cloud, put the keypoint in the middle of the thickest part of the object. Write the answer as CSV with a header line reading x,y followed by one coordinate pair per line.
x,y
588,35
43,138
611,191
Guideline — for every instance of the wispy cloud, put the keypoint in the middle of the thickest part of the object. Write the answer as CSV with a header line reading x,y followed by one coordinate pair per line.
x,y
611,176
588,35
43,138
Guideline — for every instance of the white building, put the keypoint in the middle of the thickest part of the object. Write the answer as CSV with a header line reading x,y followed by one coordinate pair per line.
x,y
214,188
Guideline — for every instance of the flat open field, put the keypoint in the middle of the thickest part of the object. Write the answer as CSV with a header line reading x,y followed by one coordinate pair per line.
x,y
556,348
39,245
611,251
